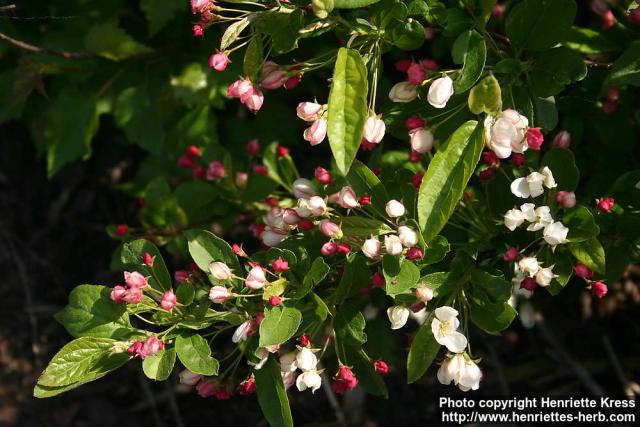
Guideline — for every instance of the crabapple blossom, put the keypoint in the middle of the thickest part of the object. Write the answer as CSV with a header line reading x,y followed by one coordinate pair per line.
x,y
252,99
394,209
169,300
316,133
328,249
288,362
135,279
330,229
280,265
150,346
189,378
407,236
219,294
403,92
532,184
371,248
398,316
440,91
392,244
529,265
562,140
272,76
219,61
424,293
461,370
290,216
599,289
256,278
244,331
322,175
306,359
344,380
555,233
544,276
583,271
303,188
566,199
421,140
374,129
309,380
347,198
513,219
540,217
444,327
317,206
220,270
505,133
308,111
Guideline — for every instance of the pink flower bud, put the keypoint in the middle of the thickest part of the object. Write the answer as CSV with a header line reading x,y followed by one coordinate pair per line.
x,y
316,133
181,275
275,300
498,11
562,140
394,208
421,140
215,171
219,294
322,175
374,129
534,138
206,388
486,174
253,99
613,94
292,82
416,74
371,248
566,199
198,6
529,283
282,151
118,293
186,162
511,254
134,349
241,179
344,381
253,147
305,224
135,279
256,278
583,271
239,88
403,92
199,172
151,346
429,64
193,151
634,16
415,253
416,180
272,237
608,20
429,34
606,204
343,248
133,295
440,91
330,229
220,271
365,200
290,216
414,122
381,366
347,198
377,280
169,300
328,249
280,265
609,106
272,76
517,160
308,111
424,294
402,65
599,289
219,61
189,378
198,31
317,206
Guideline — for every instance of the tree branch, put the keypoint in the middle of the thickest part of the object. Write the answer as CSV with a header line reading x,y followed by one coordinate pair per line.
x,y
37,49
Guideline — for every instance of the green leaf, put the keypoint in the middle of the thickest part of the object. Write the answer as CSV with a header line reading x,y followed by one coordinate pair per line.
x,y
160,12
90,312
131,257
554,69
473,53
545,112
134,109
424,349
347,110
205,247
162,208
590,253
316,274
358,226
272,395
253,58
486,96
563,166
159,366
112,42
436,250
399,277
446,178
582,225
488,287
407,34
232,33
71,121
280,323
353,4
364,181
540,24
364,369
195,354
355,276
492,317
198,199
80,361
626,69
588,41
349,324
281,169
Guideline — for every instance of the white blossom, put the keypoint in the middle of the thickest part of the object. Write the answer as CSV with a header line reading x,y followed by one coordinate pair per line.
x,y
555,234
398,316
444,328
462,371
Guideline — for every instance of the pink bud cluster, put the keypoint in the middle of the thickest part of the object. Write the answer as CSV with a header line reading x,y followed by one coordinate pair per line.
x,y
313,113
250,95
131,292
344,380
148,347
205,8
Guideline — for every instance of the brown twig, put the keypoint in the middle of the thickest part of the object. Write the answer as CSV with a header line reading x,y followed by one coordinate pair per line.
x,y
600,65
38,49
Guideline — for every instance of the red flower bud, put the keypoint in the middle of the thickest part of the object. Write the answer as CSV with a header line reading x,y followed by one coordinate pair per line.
x,y
402,65
486,174
599,289
377,280
583,271
323,176
199,172
609,106
328,249
414,157
416,180
415,253
147,259
305,341
292,82
343,248
181,275
490,158
517,160
305,224
122,230
247,386
280,265
381,366
259,169
282,151
529,283
186,162
414,122
198,31
275,300
253,147
605,205
511,254
365,200
193,151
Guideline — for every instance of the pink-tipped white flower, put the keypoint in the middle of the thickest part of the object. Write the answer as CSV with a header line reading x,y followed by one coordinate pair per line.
x,y
555,234
403,92
198,6
256,278
219,294
407,236
135,279
219,61
374,129
216,171
220,270
253,99
330,229
462,371
444,328
244,331
506,133
421,140
566,199
440,91
273,76
303,188
169,300
189,378
272,237
317,132
398,316
306,359
392,244
309,380
562,140
424,294
290,216
394,209
347,198
544,276
239,88
308,111
317,206
371,248
513,219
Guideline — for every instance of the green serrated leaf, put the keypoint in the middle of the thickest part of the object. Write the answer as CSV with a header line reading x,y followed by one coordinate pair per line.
x,y
272,395
279,324
159,366
424,348
195,354
486,96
